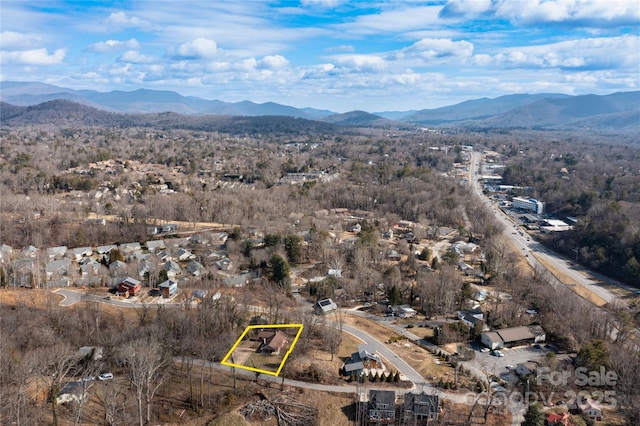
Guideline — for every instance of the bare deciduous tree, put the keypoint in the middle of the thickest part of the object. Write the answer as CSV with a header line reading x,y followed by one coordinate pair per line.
x,y
145,363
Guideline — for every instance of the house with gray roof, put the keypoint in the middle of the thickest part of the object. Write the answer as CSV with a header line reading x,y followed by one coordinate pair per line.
x,y
57,269
172,269
80,252
381,408
155,245
364,361
195,268
56,252
130,248
105,249
420,409
23,272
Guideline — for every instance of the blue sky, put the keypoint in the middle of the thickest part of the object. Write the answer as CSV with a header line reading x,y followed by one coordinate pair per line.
x,y
335,54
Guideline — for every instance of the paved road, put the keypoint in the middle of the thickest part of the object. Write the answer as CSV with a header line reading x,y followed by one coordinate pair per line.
x,y
345,389
75,296
526,245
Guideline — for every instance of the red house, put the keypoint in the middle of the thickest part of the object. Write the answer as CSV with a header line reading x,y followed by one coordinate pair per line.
x,y
130,286
554,419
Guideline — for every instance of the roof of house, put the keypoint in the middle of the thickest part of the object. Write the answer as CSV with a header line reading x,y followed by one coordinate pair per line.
x,y
588,404
513,334
155,245
57,251
492,336
421,404
82,251
117,264
277,340
105,249
168,284
58,265
326,305
194,267
130,281
382,397
356,361
129,247
558,418
237,280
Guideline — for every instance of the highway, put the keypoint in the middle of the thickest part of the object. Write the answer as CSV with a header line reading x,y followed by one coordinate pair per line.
x,y
578,274
529,246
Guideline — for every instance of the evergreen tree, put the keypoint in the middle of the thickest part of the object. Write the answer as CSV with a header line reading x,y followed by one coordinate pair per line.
x,y
114,255
394,295
534,416
593,355
293,248
279,270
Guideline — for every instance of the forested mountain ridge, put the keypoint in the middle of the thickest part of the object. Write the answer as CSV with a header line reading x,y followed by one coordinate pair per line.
x,y
619,112
62,112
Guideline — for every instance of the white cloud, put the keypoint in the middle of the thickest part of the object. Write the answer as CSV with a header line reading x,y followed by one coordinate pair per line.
x,y
136,57
434,48
248,64
120,19
316,71
34,57
113,45
341,48
198,48
361,63
11,40
586,13
321,3
465,8
394,20
592,53
274,62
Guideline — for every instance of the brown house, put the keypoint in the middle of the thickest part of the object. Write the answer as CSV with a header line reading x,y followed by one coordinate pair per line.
x,y
272,342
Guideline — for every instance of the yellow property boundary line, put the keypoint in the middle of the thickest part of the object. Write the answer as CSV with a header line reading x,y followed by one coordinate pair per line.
x,y
258,370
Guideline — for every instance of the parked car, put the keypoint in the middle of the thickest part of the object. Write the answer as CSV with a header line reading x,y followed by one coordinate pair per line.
x,y
509,367
497,353
105,376
485,350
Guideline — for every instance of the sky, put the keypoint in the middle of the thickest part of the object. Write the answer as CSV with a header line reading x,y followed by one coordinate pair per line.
x,y
339,55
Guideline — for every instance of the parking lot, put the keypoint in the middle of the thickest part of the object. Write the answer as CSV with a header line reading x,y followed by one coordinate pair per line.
x,y
485,361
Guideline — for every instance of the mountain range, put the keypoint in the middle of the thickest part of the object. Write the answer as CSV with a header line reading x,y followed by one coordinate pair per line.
x,y
613,112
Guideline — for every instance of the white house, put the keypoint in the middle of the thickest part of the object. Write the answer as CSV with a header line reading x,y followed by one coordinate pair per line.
x,y
591,409
470,316
325,307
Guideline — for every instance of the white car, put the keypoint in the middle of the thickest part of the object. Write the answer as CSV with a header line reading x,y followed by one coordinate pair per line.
x,y
509,367
105,376
497,353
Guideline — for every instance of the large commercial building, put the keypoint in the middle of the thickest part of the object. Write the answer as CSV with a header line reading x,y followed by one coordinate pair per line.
x,y
528,204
